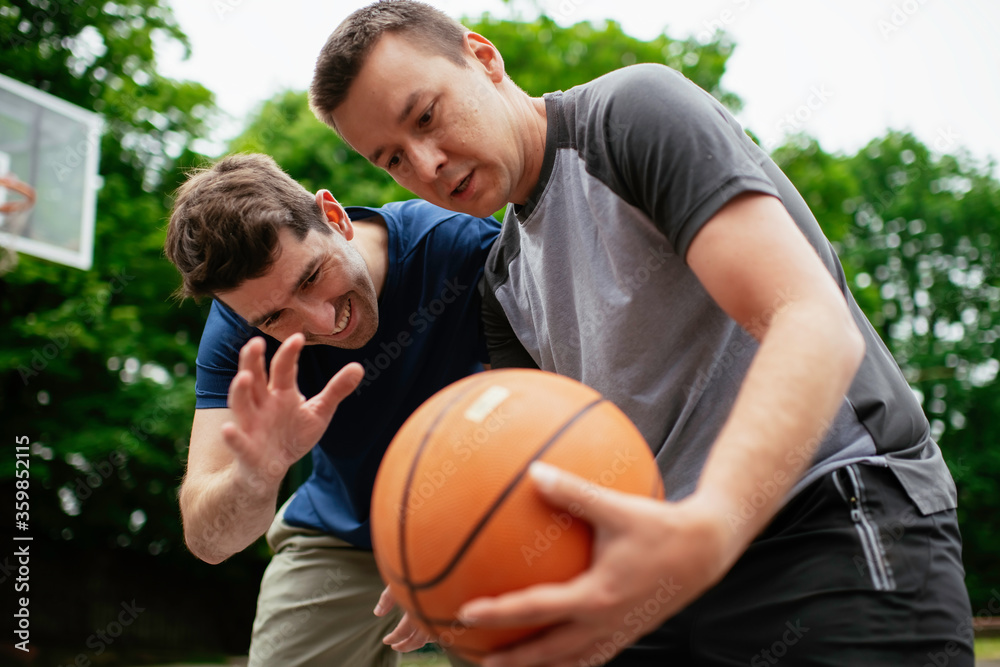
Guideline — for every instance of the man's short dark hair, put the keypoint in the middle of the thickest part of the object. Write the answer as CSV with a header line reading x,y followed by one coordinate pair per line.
x,y
224,225
347,49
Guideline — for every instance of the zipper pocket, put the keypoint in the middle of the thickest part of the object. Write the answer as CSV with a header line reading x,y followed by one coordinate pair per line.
x,y
854,496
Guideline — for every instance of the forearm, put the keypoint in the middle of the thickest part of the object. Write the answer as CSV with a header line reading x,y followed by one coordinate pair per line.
x,y
225,512
792,392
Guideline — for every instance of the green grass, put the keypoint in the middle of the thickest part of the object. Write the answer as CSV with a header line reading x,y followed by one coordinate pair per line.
x,y
988,648
426,659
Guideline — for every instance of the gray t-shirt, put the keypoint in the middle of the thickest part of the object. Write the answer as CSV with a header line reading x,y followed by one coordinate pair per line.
x,y
588,280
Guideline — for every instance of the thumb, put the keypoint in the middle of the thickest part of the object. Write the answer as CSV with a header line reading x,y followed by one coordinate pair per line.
x,y
598,505
337,389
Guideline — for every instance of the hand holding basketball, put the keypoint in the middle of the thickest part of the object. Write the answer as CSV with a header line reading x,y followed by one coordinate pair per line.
x,y
455,517
651,559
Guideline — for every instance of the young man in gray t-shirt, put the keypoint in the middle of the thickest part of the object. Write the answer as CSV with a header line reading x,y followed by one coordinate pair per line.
x,y
655,253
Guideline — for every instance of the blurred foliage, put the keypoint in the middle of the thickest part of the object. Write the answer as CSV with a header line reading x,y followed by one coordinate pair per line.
x,y
542,56
285,128
918,234
97,366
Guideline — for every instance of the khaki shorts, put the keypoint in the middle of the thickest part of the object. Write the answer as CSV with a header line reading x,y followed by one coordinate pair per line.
x,y
315,604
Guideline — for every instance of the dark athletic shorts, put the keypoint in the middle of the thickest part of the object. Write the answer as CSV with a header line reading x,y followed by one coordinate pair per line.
x,y
848,573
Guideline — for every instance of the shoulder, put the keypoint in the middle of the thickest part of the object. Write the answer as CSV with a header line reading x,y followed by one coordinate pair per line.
x,y
223,325
637,101
420,225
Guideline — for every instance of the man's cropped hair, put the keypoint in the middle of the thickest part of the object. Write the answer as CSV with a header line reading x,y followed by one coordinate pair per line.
x,y
225,221
348,47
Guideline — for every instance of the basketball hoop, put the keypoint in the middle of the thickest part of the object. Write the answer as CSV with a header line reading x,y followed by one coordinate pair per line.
x,y
13,183
13,216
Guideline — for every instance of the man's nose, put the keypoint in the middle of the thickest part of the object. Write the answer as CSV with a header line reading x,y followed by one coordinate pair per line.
x,y
427,160
320,317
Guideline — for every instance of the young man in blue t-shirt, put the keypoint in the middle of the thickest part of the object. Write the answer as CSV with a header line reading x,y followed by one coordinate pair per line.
x,y
362,315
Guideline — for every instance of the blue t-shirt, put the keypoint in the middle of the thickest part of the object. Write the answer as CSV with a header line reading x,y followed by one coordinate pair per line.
x,y
429,335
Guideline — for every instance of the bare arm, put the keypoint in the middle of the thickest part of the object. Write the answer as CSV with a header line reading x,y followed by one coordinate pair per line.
x,y
224,508
762,271
240,454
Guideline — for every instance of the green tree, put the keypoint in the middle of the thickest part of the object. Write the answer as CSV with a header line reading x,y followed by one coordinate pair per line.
x,y
542,56
96,367
917,235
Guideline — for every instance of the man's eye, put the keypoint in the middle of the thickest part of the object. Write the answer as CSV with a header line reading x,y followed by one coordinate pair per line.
x,y
271,321
312,278
425,119
393,162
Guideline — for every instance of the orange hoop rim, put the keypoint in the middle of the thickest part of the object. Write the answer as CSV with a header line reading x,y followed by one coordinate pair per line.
x,y
14,184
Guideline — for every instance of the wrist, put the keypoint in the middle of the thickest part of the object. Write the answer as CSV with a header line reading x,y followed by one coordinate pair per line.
x,y
256,484
731,529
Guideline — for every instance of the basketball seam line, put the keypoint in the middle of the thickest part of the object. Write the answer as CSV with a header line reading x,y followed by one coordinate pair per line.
x,y
404,560
500,500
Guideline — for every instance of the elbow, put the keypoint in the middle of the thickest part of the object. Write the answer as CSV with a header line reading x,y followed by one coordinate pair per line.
x,y
198,549
198,537
851,344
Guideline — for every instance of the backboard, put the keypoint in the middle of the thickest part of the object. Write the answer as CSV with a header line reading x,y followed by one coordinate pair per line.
x,y
52,147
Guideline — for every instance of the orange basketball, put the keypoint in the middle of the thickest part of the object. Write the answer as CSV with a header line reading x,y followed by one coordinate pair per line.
x,y
454,514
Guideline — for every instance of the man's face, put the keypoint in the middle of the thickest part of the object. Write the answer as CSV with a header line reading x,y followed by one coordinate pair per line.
x,y
319,286
442,131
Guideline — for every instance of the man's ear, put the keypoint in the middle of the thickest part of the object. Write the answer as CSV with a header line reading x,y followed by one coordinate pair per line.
x,y
334,214
488,56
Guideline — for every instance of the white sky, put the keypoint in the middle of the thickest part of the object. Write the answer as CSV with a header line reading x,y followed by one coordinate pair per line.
x,y
843,71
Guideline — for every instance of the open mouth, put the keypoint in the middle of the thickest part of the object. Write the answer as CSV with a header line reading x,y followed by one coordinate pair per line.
x,y
462,186
344,320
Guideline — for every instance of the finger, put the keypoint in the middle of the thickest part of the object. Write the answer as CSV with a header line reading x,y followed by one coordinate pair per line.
x,y
337,389
252,361
240,399
407,636
386,601
537,605
417,640
285,364
596,504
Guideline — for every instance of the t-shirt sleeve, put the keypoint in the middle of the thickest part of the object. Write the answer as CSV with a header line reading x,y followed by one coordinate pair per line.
x,y
675,152
505,350
218,356
461,244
